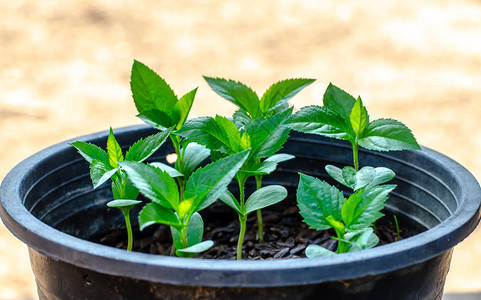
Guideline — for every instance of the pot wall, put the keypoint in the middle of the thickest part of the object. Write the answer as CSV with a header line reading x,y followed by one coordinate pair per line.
x,y
60,280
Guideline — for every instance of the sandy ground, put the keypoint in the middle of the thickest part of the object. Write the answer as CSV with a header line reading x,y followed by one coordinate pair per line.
x,y
64,72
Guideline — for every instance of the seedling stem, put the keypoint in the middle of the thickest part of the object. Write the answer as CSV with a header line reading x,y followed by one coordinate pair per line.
x,y
130,237
260,226
355,150
242,218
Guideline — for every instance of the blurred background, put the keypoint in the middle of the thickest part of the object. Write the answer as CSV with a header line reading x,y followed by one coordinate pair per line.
x,y
65,67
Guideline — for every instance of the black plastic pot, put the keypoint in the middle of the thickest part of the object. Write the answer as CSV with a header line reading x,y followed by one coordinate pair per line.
x,y
48,203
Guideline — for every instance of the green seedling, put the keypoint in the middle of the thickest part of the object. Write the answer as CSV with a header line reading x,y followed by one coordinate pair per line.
x,y
323,206
180,211
251,107
344,117
159,107
272,102
126,206
264,137
104,165
261,198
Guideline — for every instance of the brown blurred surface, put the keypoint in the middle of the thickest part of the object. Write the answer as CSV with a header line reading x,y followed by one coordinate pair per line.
x,y
64,72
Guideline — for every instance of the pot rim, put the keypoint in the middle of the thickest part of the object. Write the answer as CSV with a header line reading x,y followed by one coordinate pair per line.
x,y
247,273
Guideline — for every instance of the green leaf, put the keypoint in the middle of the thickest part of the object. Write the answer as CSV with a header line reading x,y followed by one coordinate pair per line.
x,y
382,175
361,239
364,207
320,121
127,188
197,130
264,197
217,134
117,194
153,213
231,201
144,148
194,155
100,173
350,210
267,135
195,229
339,101
359,117
388,135
154,183
280,92
366,177
237,93
241,118
177,239
197,248
91,152
281,157
278,109
336,174
216,155
149,90
186,207
195,232
264,168
208,183
114,150
337,225
123,204
168,169
183,107
131,192
317,251
318,200
358,179
229,135
157,119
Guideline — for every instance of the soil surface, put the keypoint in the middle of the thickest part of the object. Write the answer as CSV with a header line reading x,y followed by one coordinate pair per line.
x,y
285,236
65,65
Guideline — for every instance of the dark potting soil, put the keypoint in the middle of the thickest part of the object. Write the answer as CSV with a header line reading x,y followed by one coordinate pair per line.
x,y
285,236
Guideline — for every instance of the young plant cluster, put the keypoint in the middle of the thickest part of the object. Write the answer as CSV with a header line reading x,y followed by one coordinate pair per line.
x,y
323,206
241,148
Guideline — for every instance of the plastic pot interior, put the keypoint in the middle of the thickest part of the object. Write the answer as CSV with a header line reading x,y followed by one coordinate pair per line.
x,y
48,203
